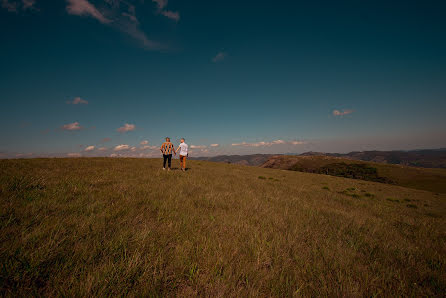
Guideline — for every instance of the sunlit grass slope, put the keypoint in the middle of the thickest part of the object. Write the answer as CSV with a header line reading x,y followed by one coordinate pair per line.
x,y
100,226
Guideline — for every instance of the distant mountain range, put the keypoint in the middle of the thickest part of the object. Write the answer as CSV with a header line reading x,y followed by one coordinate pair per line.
x,y
427,158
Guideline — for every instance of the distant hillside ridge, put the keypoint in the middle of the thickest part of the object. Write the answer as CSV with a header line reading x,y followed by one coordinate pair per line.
x,y
426,158
413,177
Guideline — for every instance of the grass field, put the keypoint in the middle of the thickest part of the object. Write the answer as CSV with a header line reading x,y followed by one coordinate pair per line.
x,y
102,226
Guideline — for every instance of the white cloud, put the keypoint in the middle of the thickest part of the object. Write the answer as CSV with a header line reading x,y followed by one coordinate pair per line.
x,y
89,148
122,147
127,127
197,147
215,145
77,101
102,149
145,142
219,57
74,155
344,112
72,126
266,144
85,8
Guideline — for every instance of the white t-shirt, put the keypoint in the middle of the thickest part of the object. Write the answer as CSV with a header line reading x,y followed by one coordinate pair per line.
x,y
183,149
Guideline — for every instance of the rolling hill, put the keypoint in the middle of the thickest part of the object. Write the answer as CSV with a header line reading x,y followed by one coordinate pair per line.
x,y
413,177
115,227
428,158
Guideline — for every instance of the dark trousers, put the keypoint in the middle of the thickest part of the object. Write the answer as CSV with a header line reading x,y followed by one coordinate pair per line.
x,y
168,158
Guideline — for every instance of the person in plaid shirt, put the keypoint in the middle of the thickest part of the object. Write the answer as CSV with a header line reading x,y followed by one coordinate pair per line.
x,y
166,149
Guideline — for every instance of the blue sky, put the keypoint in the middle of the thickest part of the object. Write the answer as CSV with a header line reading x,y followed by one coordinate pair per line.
x,y
113,77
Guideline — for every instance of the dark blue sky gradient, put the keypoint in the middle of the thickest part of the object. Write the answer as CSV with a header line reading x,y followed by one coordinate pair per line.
x,y
287,66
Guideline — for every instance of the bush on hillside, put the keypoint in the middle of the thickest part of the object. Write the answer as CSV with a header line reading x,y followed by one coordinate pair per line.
x,y
353,171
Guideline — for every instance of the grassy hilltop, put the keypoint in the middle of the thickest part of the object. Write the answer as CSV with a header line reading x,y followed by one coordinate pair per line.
x,y
102,226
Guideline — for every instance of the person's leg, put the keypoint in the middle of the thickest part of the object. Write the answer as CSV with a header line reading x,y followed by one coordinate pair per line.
x,y
169,158
184,163
164,161
181,161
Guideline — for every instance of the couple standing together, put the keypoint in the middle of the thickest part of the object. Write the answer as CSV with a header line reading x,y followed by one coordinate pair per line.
x,y
167,148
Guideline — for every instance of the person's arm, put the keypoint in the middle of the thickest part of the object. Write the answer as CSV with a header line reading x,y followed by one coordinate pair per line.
x,y
161,149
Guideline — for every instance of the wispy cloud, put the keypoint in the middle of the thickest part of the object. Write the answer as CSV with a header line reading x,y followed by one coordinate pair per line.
x,y
85,8
173,15
72,126
89,148
198,147
127,127
219,57
77,101
16,5
10,6
119,14
266,144
122,147
145,142
102,149
27,4
161,4
215,145
342,113
146,147
297,142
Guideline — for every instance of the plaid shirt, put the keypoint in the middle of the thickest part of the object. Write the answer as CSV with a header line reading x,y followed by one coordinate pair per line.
x,y
167,148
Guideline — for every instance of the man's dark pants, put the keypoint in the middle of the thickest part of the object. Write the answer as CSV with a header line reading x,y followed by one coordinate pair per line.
x,y
167,157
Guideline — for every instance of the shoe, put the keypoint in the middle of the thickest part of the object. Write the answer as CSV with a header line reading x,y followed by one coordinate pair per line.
x,y
168,169
164,169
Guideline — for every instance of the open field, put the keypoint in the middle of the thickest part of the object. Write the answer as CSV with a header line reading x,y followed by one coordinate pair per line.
x,y
429,179
103,226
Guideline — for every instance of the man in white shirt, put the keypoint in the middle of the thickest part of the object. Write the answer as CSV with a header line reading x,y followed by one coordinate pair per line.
x,y
182,149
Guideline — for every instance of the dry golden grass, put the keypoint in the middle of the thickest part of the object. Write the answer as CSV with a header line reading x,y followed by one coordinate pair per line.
x,y
81,227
